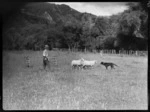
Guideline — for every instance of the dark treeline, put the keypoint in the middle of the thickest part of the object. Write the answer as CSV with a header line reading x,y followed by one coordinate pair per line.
x,y
36,24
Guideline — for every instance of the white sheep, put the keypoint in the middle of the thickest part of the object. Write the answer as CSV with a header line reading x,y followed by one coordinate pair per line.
x,y
87,63
77,63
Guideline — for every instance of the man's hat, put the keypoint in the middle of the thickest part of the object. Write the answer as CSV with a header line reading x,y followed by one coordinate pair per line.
x,y
46,46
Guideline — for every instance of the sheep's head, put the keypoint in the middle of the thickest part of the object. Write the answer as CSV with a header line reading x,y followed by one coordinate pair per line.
x,y
95,61
82,59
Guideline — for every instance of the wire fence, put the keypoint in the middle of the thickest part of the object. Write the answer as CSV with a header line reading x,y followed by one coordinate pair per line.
x,y
106,51
125,52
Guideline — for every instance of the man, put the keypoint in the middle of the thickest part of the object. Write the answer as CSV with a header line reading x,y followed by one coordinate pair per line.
x,y
45,57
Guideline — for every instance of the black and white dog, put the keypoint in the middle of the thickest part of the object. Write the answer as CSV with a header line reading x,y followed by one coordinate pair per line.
x,y
106,64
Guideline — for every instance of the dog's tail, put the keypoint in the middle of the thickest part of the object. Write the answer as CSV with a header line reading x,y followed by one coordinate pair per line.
x,y
116,65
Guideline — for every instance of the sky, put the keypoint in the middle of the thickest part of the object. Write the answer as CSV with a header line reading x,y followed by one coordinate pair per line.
x,y
97,8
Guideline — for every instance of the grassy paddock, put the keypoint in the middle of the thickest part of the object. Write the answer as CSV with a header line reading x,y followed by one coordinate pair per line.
x,y
63,88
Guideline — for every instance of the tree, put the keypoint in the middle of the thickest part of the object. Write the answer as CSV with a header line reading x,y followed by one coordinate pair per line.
x,y
94,32
114,25
102,23
72,33
132,25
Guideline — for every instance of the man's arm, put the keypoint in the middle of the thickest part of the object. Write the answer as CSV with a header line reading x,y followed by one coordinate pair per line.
x,y
44,53
47,54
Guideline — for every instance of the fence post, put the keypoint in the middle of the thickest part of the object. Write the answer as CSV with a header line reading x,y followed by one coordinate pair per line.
x,y
136,53
129,52
139,53
101,52
133,52
54,61
119,52
85,50
114,51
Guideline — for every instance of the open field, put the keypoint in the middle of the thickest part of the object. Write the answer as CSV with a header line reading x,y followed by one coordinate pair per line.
x,y
63,88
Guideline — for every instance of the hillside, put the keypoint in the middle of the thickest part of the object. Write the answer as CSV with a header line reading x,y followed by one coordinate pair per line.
x,y
57,14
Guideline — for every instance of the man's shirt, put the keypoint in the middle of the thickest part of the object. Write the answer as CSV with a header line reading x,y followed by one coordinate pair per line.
x,y
45,53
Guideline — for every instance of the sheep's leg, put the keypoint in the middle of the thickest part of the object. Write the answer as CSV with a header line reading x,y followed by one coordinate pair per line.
x,y
78,67
72,67
81,67
86,66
